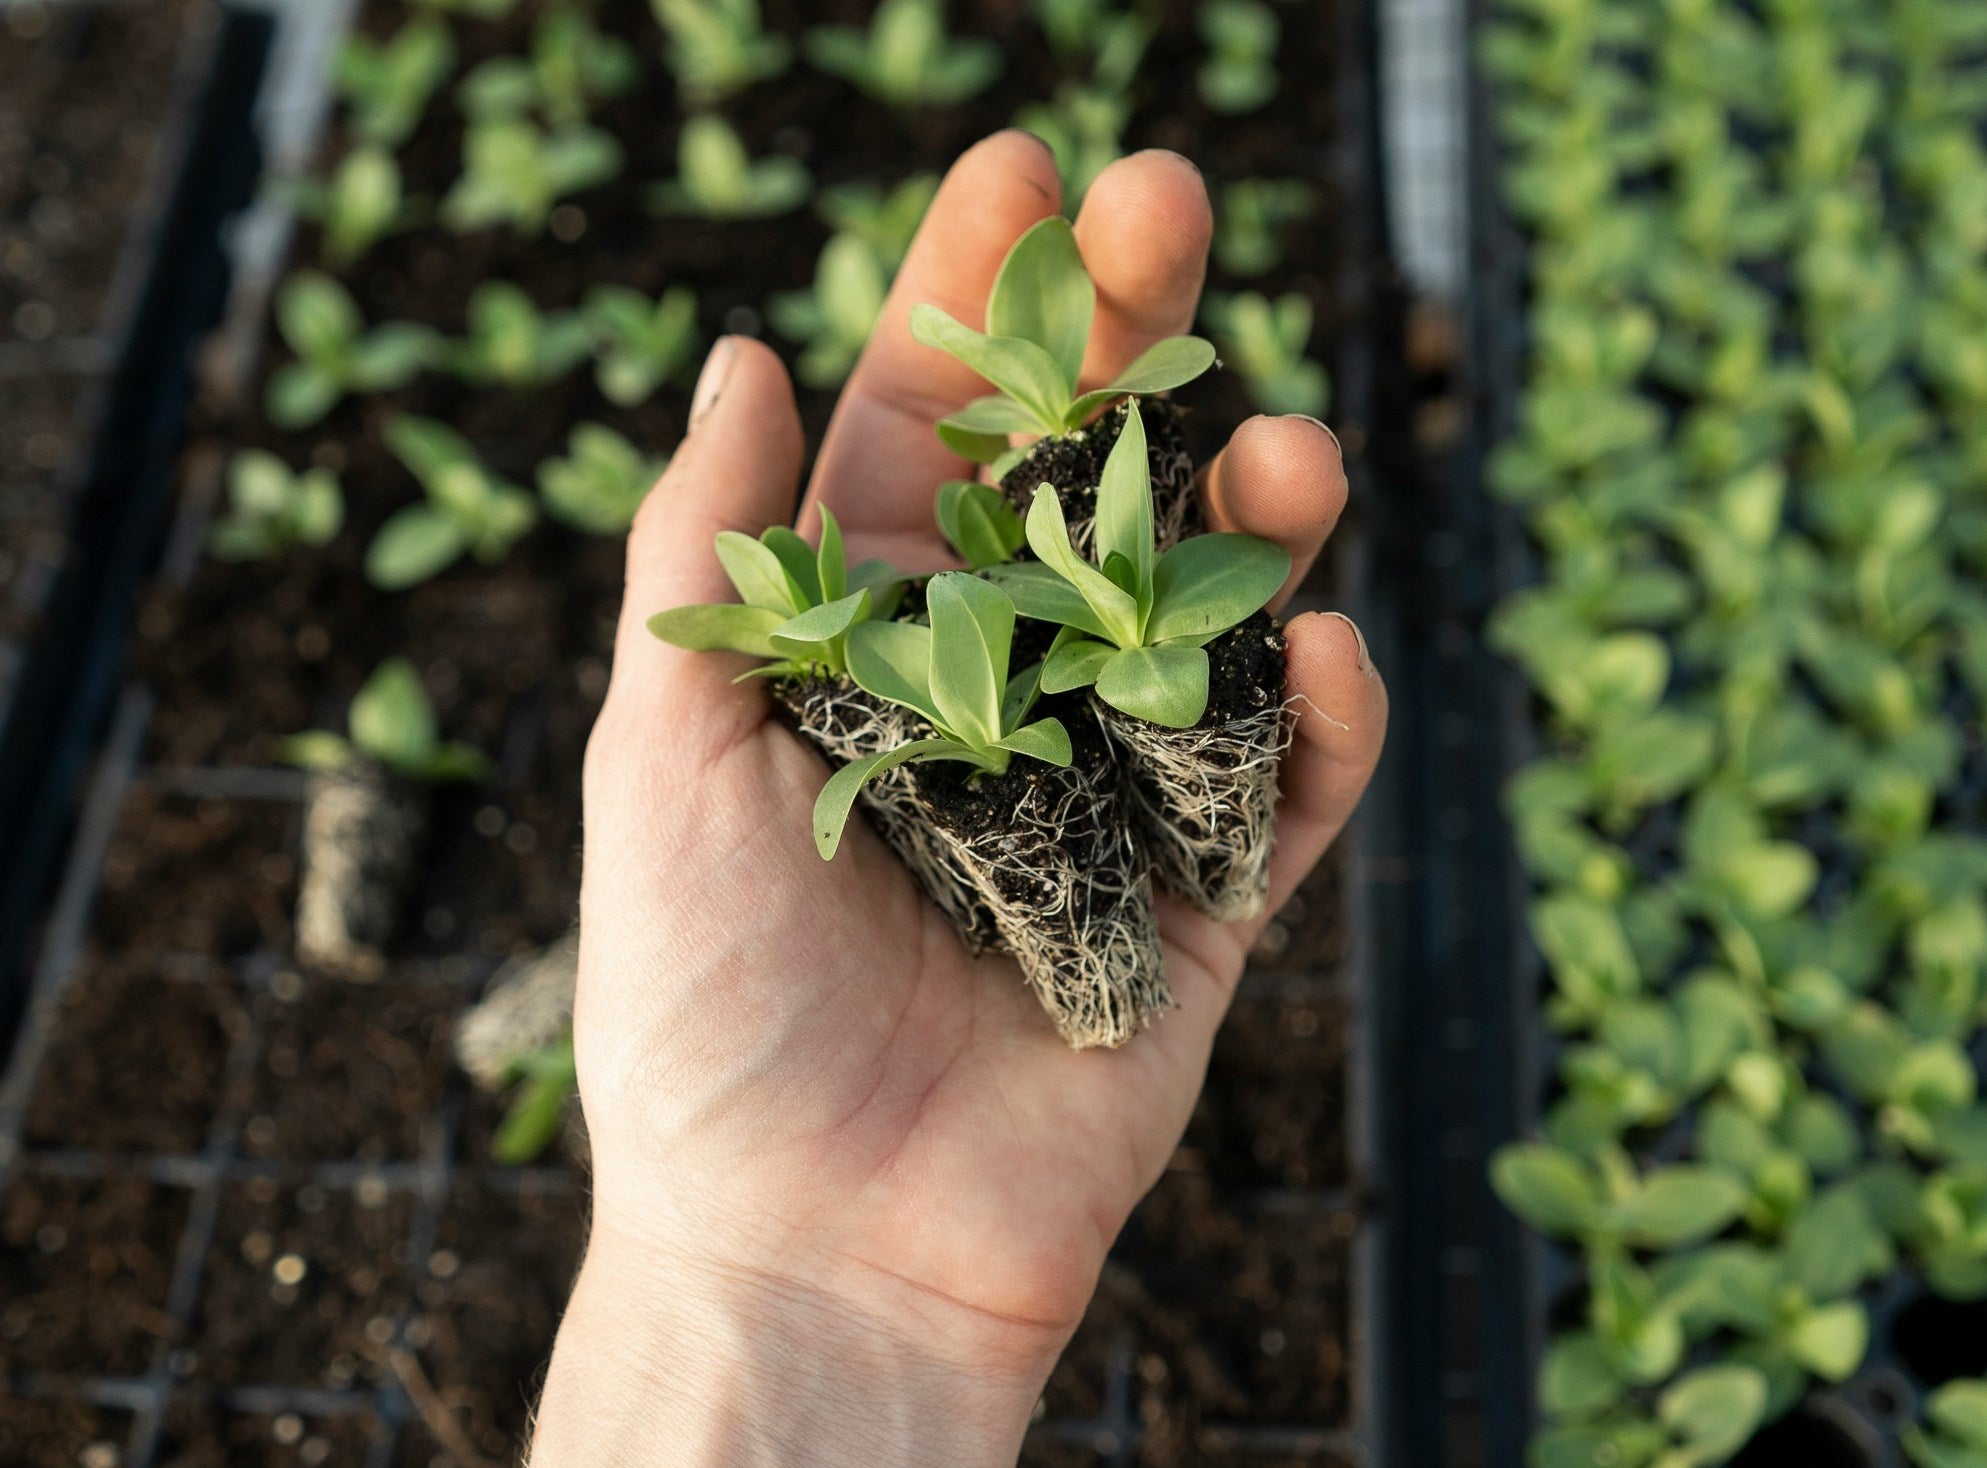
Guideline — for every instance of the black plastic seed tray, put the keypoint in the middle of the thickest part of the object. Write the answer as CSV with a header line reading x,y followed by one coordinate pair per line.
x,y
87,527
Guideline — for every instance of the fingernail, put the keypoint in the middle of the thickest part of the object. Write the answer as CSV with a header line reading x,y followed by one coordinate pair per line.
x,y
1365,657
711,381
1327,431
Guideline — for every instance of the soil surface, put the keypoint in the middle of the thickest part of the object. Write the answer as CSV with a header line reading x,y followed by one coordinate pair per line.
x,y
1074,464
1228,1304
1245,673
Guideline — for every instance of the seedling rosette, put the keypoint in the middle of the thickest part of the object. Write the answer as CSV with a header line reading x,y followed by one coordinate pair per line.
x,y
1038,324
1027,808
1186,672
798,606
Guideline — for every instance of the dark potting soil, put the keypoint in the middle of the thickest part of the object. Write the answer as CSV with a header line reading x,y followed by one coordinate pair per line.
x,y
204,1434
303,1286
85,1264
1245,672
515,657
109,1085
1074,464
62,1430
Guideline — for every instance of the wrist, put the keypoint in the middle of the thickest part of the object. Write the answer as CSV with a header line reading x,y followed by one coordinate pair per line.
x,y
666,1360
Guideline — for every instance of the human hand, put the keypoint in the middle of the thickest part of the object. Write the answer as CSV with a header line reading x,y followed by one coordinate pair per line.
x,y
851,1193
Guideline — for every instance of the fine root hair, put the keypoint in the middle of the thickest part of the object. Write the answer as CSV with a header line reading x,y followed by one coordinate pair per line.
x,y
1204,804
1069,892
846,724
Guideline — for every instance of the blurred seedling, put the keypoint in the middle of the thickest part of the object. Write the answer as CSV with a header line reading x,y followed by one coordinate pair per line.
x,y
516,173
640,344
512,343
386,85
272,508
468,511
717,47
336,354
391,723
905,58
547,1083
1239,74
572,64
886,222
600,483
1084,124
717,179
362,203
834,319
1266,341
1249,226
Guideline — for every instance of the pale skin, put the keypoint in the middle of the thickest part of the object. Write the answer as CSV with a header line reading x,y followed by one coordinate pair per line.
x,y
851,1193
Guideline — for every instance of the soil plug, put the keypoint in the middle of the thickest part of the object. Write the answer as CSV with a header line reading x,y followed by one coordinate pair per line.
x,y
364,817
797,613
526,1007
1038,324
1186,673
1042,838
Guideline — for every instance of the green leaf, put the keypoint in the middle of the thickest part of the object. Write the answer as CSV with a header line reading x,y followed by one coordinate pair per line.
x,y
392,720
317,317
1124,508
1210,583
1075,665
1959,1409
1835,1244
1552,1190
759,574
978,523
802,564
1679,1205
804,634
315,749
1044,295
724,628
995,415
838,796
1161,367
1714,1410
1048,537
1576,1379
1162,685
1831,1341
1022,370
972,631
1038,592
833,561
1046,740
414,544
973,446
893,661
298,396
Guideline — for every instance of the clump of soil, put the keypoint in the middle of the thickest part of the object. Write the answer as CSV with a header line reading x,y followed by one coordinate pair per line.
x,y
1204,799
1051,852
61,1430
846,724
1074,464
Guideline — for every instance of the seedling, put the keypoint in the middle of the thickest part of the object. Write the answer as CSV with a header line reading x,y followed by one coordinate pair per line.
x,y
717,47
601,482
336,355
1138,622
546,1081
1267,341
1239,74
515,173
392,724
641,344
977,522
1957,1433
797,603
955,674
361,204
717,179
834,320
513,343
571,66
468,510
1038,325
905,57
1073,28
387,85
886,222
1248,236
271,508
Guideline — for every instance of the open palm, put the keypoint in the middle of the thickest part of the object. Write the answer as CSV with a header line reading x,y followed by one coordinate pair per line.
x,y
791,1069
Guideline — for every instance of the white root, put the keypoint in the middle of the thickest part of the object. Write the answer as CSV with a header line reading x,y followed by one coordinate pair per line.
x,y
1204,803
1070,894
846,725
361,831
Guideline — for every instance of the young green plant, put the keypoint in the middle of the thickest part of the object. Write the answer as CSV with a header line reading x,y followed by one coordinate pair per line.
x,y
600,483
362,203
954,673
905,58
1137,623
547,1082
1267,341
1239,74
978,522
797,604
516,173
717,47
833,321
717,179
572,64
640,344
392,724
884,220
1038,326
272,508
512,343
1249,226
468,510
386,85
336,354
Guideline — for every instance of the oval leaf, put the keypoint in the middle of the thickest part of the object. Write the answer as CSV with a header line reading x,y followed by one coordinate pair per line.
x,y
838,796
893,661
1124,507
1211,583
1022,370
1044,295
972,631
760,574
1162,685
728,628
